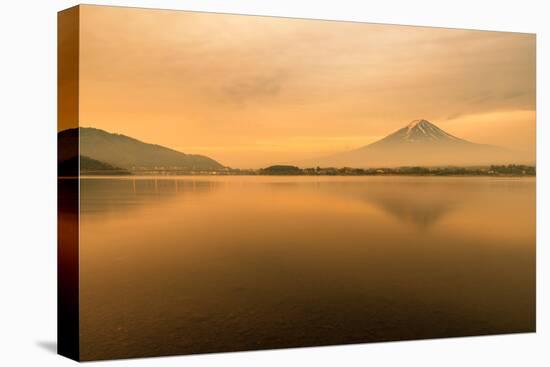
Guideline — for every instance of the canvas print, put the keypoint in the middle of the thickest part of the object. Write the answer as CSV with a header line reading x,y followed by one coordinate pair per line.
x,y
232,182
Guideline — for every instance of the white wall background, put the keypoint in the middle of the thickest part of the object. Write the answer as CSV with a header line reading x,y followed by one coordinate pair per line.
x,y
28,183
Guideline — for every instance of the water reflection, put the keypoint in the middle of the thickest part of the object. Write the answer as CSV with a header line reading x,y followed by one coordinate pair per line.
x,y
101,194
201,264
415,203
409,200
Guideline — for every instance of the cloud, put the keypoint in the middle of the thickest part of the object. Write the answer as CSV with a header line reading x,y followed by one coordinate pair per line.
x,y
247,88
455,115
212,80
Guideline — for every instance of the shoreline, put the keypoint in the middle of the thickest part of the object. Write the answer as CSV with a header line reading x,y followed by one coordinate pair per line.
x,y
172,176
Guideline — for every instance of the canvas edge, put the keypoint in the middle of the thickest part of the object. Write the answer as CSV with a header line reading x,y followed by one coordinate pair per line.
x,y
68,318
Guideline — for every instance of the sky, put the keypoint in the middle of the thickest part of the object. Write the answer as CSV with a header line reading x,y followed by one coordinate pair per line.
x,y
252,91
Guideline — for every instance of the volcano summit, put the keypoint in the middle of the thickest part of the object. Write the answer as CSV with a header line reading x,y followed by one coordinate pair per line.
x,y
420,143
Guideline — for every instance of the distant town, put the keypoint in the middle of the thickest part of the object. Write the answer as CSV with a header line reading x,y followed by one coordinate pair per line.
x,y
494,170
288,170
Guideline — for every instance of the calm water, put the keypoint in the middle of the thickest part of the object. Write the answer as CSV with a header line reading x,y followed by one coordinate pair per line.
x,y
200,264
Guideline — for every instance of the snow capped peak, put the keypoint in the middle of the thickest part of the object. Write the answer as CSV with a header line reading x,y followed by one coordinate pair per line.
x,y
418,131
422,129
416,123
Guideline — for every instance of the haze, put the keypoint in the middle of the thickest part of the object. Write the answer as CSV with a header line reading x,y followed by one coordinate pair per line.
x,y
251,91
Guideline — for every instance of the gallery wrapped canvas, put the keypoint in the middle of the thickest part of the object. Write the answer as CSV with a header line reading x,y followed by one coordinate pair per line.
x,y
231,182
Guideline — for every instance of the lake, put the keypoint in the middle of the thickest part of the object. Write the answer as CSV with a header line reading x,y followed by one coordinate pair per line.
x,y
178,265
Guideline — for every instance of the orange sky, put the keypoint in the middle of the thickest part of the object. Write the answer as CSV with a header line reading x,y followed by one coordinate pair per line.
x,y
252,91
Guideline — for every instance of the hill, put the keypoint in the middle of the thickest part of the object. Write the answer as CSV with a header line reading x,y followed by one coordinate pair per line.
x,y
128,153
88,166
281,170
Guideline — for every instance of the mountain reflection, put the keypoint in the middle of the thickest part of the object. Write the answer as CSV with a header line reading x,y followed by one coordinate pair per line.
x,y
414,201
422,205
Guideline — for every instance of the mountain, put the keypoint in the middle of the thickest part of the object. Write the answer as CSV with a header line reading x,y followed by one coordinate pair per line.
x,y
124,152
420,132
87,166
420,143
